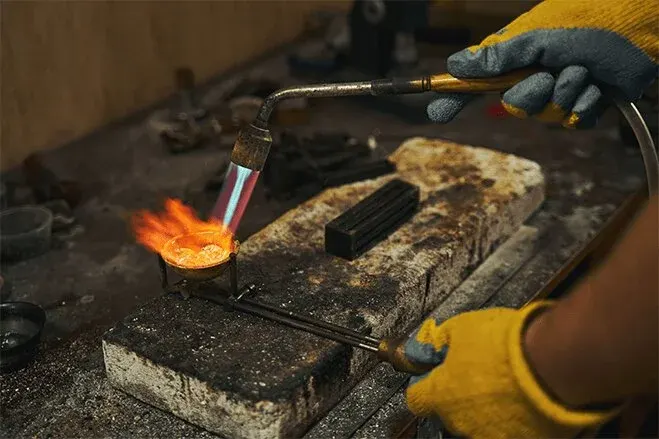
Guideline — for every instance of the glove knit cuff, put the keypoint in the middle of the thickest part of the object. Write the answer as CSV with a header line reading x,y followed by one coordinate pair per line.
x,y
532,389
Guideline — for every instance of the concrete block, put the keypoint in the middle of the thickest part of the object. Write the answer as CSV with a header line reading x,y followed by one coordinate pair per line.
x,y
243,377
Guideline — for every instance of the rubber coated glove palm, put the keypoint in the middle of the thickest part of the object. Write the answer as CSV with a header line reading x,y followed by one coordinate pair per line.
x,y
483,386
613,42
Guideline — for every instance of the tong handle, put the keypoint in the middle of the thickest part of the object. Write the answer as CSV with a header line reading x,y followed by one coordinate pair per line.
x,y
446,83
392,351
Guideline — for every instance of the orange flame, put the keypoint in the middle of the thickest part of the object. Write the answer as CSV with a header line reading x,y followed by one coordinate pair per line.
x,y
204,243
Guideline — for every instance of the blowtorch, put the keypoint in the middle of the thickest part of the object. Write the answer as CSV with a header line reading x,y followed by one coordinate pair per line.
x,y
253,143
252,146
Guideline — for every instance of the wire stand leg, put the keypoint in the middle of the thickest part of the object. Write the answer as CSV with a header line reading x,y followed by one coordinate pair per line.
x,y
164,283
233,275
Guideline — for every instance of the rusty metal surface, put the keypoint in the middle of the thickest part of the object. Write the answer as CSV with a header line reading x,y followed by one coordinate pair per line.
x,y
65,394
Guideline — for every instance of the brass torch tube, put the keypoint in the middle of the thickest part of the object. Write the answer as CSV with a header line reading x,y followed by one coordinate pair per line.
x,y
446,83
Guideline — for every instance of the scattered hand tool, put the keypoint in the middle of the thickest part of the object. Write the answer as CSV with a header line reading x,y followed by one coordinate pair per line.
x,y
46,186
63,218
304,166
192,125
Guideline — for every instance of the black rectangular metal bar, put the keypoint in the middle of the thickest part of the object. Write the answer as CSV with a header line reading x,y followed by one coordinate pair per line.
x,y
358,172
371,220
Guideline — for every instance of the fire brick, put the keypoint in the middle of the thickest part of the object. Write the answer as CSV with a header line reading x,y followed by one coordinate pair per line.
x,y
243,377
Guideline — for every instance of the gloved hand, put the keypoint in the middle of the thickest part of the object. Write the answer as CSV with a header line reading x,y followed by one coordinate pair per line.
x,y
613,42
483,386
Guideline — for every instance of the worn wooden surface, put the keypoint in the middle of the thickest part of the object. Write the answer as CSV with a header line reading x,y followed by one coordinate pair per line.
x,y
241,376
70,67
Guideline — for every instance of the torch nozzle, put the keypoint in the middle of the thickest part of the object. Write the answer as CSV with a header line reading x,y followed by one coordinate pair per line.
x,y
252,147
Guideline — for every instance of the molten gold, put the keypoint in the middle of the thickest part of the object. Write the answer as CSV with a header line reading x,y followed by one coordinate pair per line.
x,y
200,267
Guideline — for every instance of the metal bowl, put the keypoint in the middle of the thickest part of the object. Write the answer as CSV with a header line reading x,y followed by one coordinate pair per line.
x,y
25,232
21,324
197,273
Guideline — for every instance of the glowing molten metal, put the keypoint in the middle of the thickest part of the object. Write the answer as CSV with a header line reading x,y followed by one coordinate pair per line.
x,y
183,239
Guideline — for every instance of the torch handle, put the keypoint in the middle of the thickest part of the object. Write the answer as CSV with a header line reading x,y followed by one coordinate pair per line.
x,y
446,83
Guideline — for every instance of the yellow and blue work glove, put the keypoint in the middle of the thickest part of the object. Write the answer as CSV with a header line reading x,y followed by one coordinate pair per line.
x,y
612,42
482,385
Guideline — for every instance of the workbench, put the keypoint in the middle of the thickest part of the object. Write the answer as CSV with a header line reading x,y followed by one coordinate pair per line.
x,y
100,275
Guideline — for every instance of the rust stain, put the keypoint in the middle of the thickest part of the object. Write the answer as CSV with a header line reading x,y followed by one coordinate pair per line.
x,y
310,358
357,282
315,279
460,186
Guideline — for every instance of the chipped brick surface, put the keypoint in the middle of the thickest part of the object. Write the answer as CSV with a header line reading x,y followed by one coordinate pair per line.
x,y
240,376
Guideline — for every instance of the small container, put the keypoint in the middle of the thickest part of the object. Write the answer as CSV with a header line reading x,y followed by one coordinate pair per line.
x,y
21,324
25,232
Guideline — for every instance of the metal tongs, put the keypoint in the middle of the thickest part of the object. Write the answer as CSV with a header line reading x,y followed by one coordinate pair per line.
x,y
388,350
